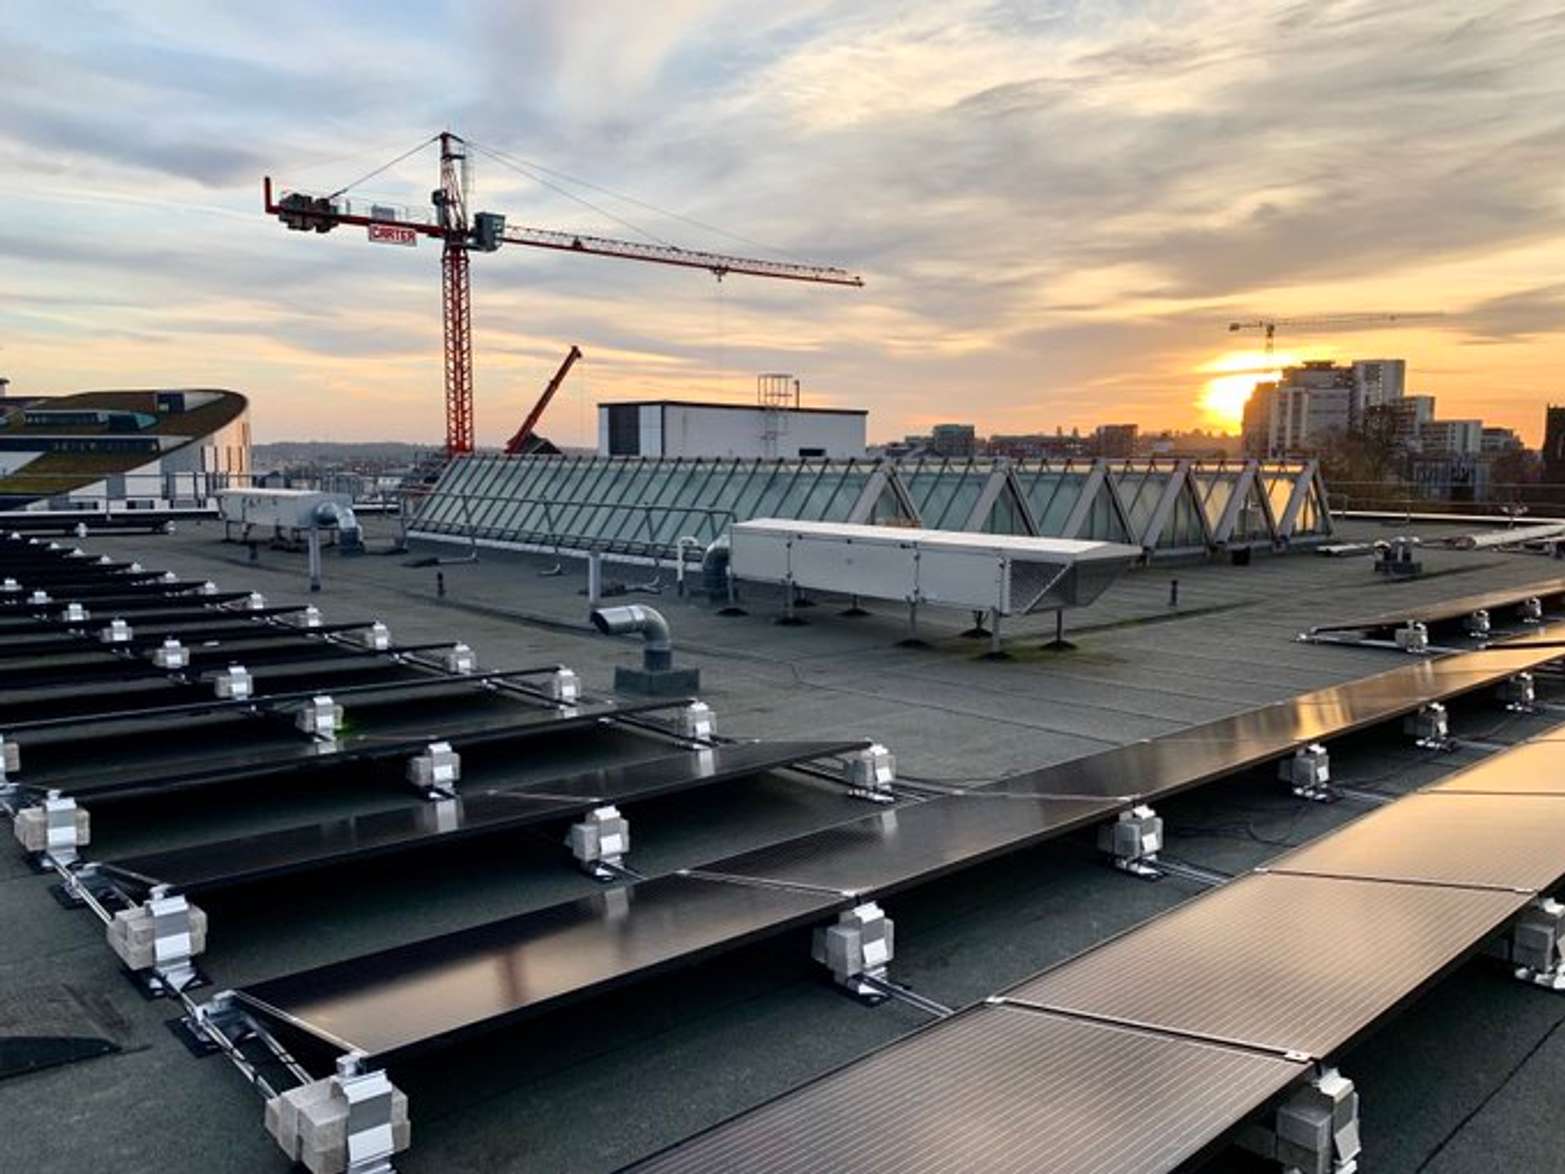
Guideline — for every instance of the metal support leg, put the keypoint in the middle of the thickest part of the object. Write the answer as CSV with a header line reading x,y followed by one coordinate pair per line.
x,y
315,558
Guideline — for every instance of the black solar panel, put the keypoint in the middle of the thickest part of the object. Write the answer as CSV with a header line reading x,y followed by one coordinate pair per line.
x,y
1001,1090
900,846
1443,837
1293,963
1548,590
218,864
396,1001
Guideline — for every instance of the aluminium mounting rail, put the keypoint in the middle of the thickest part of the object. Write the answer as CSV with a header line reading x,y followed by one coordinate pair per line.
x,y
678,919
1142,1054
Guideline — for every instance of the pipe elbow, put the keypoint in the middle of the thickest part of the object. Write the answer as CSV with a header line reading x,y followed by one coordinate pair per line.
x,y
634,618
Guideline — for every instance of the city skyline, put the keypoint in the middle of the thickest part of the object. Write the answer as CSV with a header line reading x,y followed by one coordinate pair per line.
x,y
1057,213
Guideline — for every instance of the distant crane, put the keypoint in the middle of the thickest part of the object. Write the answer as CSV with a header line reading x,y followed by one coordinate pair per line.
x,y
518,443
486,232
1270,325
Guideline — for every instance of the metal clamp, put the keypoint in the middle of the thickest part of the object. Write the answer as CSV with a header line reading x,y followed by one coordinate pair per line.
x,y
370,1136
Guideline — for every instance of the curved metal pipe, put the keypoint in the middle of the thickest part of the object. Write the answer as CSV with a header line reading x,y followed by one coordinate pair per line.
x,y
658,653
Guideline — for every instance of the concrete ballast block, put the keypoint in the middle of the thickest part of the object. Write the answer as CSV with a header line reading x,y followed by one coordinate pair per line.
x,y
131,935
310,1123
31,828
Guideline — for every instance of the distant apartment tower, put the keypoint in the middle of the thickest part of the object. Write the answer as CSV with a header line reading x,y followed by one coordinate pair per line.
x,y
1301,412
1455,438
1409,414
1500,440
953,440
1554,445
1116,440
1377,382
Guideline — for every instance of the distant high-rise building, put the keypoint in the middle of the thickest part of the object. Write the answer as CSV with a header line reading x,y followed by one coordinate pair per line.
x,y
1500,440
1257,426
1457,438
953,440
1378,381
1554,445
1116,440
1409,414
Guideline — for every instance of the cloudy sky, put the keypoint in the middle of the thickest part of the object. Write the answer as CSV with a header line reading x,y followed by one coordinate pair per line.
x,y
1057,207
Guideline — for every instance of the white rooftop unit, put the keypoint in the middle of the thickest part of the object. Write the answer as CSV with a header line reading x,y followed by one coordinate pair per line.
x,y
288,509
1001,573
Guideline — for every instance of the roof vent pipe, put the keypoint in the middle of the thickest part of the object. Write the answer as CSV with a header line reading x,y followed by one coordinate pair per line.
x,y
658,654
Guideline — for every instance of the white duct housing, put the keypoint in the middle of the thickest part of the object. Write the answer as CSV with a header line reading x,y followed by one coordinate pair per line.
x,y
1010,574
287,509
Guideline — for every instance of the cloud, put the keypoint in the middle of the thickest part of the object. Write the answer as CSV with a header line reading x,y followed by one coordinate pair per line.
x,y
1518,316
1057,206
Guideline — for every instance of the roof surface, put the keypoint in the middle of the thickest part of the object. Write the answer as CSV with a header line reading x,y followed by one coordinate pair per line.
x,y
1462,1082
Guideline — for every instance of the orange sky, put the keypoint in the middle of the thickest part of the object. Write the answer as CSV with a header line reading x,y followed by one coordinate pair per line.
x,y
1057,213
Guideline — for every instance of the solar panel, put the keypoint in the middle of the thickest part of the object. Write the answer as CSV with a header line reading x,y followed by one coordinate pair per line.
x,y
1293,963
1532,768
267,755
1166,765
1447,838
1003,1090
215,865
1548,590
394,1002
896,847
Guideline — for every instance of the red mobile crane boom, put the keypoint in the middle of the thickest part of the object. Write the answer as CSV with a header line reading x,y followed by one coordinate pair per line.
x,y
486,232
517,442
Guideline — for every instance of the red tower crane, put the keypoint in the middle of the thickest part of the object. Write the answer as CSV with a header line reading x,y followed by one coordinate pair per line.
x,y
459,233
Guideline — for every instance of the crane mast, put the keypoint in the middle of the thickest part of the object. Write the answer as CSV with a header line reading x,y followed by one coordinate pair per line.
x,y
461,232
